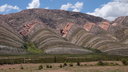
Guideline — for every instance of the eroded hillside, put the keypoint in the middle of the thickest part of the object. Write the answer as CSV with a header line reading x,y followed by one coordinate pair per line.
x,y
61,32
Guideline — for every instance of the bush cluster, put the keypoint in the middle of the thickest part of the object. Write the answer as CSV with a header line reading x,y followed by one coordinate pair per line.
x,y
101,63
40,67
124,61
61,66
65,64
48,66
71,64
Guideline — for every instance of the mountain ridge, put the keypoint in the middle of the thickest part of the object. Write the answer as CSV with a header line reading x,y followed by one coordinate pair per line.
x,y
62,32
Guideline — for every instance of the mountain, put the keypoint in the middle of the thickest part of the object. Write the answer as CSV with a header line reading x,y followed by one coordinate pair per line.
x,y
61,32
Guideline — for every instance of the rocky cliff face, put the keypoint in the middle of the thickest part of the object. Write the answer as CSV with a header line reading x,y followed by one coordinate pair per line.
x,y
61,32
119,28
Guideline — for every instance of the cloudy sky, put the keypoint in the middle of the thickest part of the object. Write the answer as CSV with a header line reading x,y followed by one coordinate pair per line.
x,y
108,9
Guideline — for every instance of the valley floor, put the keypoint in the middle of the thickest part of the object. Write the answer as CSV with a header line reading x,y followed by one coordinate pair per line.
x,y
85,67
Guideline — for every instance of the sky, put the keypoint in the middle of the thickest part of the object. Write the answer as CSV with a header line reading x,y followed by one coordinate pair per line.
x,y
108,9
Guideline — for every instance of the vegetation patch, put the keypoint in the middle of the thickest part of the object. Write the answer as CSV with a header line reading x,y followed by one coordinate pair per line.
x,y
124,61
44,58
101,63
40,67
78,64
31,47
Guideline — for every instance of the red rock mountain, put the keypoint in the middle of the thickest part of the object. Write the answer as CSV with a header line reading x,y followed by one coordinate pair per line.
x,y
61,32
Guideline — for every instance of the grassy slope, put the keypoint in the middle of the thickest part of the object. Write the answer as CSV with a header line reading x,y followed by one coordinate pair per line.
x,y
32,48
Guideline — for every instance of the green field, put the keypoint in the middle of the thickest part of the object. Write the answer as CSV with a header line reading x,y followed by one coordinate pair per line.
x,y
17,59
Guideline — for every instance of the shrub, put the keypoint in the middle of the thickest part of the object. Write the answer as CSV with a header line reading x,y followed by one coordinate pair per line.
x,y
124,61
50,66
78,63
65,64
61,66
113,64
47,66
40,67
100,63
71,65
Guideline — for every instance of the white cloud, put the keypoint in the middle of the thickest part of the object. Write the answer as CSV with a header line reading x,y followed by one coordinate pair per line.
x,y
121,0
46,8
6,8
112,9
75,7
34,4
66,6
